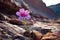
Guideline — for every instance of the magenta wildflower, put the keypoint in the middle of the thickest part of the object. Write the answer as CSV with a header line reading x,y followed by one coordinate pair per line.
x,y
23,14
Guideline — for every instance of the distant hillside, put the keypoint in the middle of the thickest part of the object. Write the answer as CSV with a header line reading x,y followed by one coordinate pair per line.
x,y
56,9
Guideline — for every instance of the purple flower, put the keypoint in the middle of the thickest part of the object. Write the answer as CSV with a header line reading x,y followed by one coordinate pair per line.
x,y
23,14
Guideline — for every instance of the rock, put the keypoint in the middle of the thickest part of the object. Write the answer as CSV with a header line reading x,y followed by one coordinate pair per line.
x,y
7,7
12,29
53,27
27,33
6,36
56,30
51,36
15,21
21,38
41,30
36,35
19,22
12,32
4,17
17,2
1,17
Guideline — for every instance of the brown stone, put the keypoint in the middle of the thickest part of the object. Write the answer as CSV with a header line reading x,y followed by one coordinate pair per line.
x,y
6,6
51,36
36,35
27,33
19,22
15,21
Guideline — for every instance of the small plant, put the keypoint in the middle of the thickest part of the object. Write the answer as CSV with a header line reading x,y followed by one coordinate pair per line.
x,y
24,15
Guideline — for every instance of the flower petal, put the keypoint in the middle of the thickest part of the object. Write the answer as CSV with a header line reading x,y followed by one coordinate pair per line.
x,y
17,13
21,10
27,12
20,18
28,17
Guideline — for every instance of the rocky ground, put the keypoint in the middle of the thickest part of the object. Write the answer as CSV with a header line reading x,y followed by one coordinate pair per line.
x,y
13,29
38,28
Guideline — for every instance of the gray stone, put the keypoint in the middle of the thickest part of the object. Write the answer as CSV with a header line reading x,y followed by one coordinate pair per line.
x,y
41,30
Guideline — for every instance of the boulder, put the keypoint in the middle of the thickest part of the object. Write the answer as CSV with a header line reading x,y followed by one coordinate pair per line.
x,y
7,7
36,35
51,36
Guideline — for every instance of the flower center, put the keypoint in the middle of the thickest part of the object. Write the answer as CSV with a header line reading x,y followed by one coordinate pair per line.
x,y
23,14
